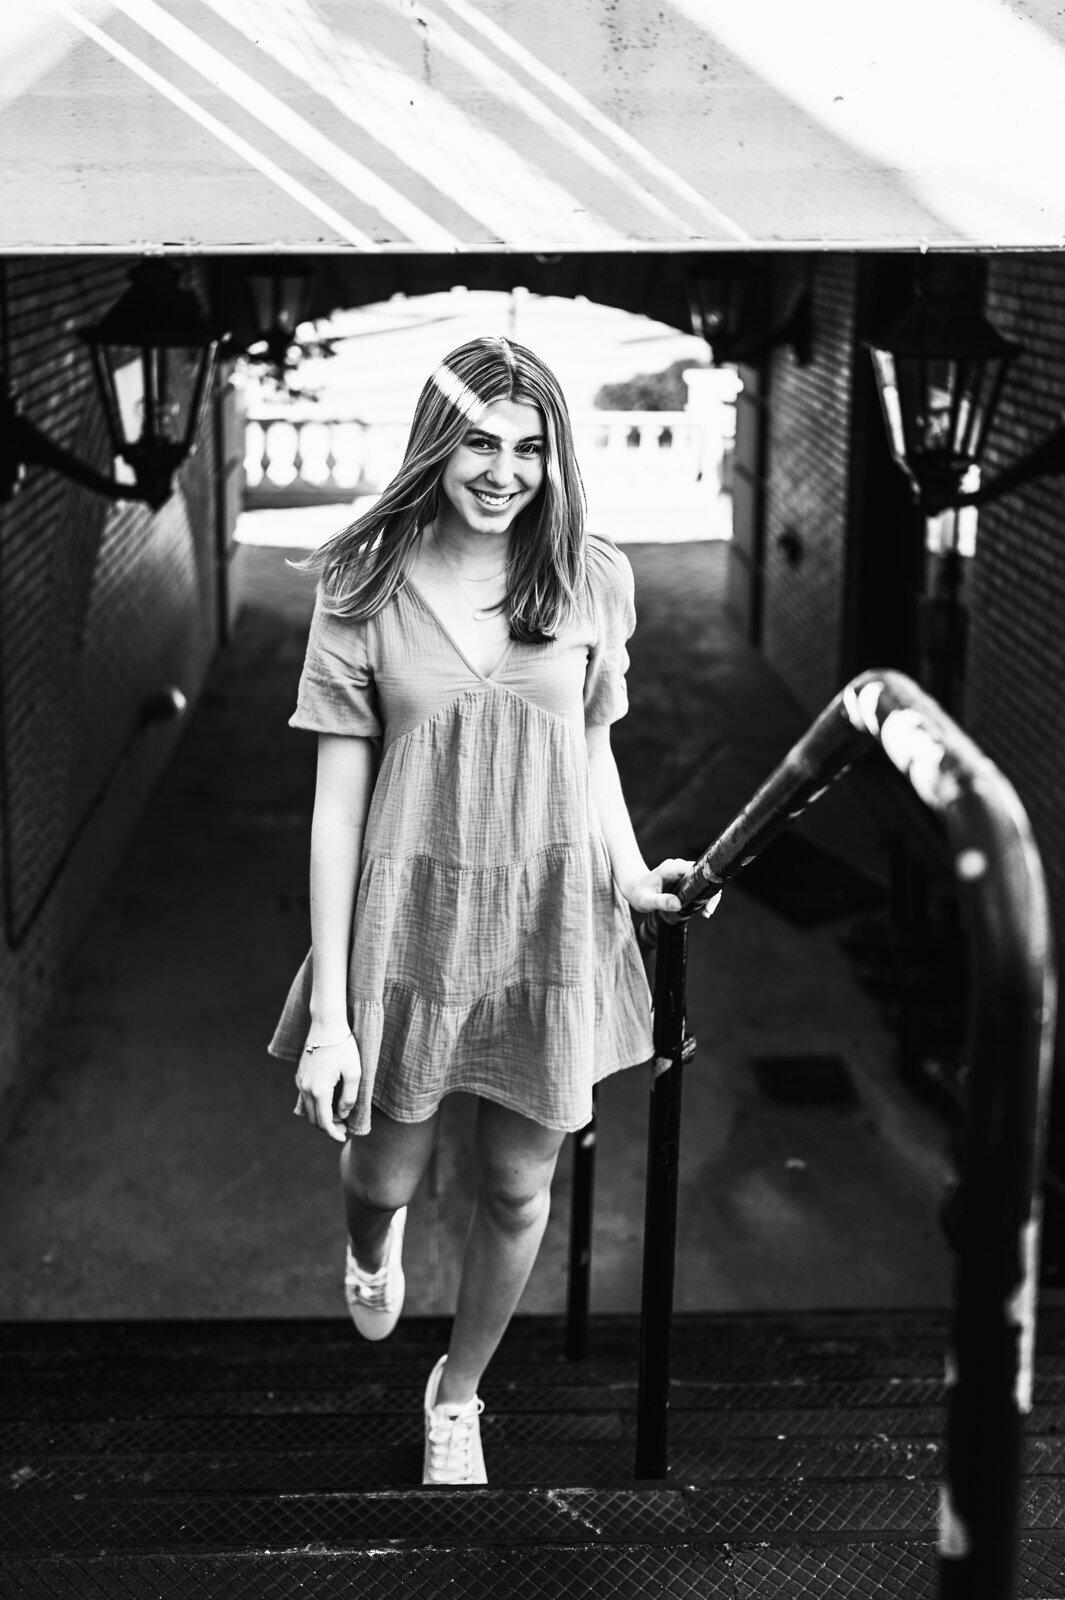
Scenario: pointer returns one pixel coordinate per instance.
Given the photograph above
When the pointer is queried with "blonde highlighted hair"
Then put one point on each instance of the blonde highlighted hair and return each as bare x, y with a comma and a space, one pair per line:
364, 565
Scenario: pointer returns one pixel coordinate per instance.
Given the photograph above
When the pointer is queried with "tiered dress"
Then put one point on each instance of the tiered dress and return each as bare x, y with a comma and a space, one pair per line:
492, 951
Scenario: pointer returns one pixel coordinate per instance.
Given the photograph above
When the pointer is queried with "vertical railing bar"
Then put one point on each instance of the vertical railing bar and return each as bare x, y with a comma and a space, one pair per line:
578, 1288
660, 1209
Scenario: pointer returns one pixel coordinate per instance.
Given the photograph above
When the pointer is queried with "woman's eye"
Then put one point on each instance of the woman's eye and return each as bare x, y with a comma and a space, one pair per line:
533, 448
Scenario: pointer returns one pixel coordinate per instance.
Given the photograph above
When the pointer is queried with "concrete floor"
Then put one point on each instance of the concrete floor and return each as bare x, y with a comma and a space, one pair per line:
158, 1170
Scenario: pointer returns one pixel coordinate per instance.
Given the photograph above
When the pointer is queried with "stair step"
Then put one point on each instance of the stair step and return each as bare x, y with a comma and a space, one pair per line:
222, 1470
321, 1433
796, 1339
624, 1572
777, 1513
160, 1460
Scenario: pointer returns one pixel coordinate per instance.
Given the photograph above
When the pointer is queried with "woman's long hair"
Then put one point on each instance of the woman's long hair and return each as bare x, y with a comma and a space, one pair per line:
364, 565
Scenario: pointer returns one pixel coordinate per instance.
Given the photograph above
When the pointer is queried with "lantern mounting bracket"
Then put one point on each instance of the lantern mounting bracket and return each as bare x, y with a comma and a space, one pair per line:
795, 331
22, 444
1044, 460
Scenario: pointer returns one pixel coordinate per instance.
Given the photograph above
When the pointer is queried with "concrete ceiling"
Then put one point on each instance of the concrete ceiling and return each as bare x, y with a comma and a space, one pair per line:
439, 126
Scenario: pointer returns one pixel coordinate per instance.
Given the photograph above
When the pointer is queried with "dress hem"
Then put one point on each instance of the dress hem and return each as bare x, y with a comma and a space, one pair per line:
480, 1092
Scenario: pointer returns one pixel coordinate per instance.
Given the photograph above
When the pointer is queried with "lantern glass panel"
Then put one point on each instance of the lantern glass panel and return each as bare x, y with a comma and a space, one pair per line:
155, 391
936, 405
280, 299
950, 402
887, 384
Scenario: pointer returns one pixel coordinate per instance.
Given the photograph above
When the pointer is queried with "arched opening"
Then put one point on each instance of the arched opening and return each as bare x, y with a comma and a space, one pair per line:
653, 422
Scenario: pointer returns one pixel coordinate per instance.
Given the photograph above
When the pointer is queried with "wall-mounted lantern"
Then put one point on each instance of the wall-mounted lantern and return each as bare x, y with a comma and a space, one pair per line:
940, 372
278, 296
729, 301
153, 356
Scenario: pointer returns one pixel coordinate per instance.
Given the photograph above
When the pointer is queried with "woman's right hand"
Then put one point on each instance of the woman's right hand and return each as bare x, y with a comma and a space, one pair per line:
326, 1067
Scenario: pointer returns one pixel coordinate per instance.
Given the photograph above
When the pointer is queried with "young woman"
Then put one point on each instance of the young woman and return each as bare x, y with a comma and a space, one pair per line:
472, 859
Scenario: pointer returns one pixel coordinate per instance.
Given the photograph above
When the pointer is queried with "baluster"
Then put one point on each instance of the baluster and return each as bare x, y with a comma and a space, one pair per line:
267, 454
330, 453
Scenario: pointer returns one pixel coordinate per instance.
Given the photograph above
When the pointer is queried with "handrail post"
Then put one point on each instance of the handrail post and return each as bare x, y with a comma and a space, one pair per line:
578, 1288
660, 1212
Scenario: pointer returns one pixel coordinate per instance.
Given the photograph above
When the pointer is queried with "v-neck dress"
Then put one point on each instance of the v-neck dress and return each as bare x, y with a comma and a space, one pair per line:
492, 951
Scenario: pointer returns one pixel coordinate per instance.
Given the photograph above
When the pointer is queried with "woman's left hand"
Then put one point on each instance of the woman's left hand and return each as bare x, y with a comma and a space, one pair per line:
649, 892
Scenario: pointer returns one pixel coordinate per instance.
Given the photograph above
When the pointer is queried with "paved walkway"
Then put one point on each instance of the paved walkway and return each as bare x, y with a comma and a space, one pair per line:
158, 1170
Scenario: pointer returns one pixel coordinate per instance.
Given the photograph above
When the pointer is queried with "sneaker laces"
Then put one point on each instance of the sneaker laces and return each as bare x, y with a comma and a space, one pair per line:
450, 1441
369, 1288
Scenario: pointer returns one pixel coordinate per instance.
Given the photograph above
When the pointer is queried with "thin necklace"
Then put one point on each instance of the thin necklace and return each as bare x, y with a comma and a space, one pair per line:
479, 613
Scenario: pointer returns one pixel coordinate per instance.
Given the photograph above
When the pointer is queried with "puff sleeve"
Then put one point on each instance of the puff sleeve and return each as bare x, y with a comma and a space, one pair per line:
611, 583
337, 693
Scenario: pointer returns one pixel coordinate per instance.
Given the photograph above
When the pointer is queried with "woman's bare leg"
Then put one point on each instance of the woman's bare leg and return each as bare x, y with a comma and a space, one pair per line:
379, 1172
515, 1164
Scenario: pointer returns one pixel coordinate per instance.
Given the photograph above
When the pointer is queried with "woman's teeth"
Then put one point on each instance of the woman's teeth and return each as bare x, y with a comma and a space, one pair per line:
496, 501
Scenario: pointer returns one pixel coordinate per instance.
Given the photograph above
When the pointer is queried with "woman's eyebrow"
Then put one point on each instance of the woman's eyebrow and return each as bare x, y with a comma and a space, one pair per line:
482, 433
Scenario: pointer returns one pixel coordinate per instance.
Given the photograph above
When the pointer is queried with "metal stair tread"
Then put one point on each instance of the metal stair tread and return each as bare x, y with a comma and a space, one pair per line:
776, 1512
743, 1571
297, 1338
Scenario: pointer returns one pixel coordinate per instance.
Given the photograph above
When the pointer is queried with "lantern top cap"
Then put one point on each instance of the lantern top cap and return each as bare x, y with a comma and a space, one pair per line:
942, 327
154, 310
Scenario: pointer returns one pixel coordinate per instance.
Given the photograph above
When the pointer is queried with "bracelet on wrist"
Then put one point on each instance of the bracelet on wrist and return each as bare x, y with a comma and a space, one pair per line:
326, 1044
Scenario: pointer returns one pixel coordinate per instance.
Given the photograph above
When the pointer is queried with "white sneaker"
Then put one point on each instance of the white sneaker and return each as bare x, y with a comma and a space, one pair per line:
453, 1451
375, 1299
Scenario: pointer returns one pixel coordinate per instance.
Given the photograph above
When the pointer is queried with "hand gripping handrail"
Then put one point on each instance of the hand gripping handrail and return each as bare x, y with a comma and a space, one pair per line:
1009, 1053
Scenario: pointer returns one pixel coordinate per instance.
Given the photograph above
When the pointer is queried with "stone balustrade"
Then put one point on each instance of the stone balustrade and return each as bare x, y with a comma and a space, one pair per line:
299, 459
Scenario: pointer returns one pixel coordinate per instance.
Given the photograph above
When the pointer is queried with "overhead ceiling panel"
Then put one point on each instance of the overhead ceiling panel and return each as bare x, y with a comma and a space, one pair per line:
447, 125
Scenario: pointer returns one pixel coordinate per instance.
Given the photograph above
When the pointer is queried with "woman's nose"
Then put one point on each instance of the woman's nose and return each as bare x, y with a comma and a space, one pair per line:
500, 467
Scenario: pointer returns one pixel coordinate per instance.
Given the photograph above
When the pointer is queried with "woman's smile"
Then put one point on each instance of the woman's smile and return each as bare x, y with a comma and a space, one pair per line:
492, 500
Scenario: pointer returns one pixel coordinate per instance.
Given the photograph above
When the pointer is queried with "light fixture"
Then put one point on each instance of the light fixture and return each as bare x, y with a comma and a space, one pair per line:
729, 303
940, 372
278, 295
153, 355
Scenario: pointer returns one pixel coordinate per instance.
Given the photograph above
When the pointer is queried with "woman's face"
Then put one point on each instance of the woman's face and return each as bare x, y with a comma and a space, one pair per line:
496, 470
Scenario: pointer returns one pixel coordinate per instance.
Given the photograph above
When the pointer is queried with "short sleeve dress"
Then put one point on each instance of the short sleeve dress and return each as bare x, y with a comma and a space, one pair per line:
492, 951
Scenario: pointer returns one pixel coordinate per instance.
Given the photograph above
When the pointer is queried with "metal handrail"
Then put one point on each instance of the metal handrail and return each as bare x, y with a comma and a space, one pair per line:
1009, 1056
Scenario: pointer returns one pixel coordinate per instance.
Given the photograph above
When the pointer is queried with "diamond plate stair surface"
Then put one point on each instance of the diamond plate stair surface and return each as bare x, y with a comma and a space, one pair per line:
279, 1458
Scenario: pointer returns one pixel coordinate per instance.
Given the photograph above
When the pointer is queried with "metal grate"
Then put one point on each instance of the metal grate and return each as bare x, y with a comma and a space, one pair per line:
526, 1574
903, 1570
1041, 1569
837, 1572
776, 1512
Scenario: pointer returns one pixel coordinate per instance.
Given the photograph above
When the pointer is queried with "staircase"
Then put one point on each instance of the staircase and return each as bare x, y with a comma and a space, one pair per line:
149, 1460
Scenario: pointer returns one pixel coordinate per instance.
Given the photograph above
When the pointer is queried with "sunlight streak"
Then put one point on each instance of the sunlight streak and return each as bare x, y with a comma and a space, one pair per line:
595, 118
507, 88
359, 180
484, 175
269, 169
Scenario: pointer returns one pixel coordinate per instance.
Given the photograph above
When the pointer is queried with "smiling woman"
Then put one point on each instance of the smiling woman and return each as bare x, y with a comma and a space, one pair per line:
472, 860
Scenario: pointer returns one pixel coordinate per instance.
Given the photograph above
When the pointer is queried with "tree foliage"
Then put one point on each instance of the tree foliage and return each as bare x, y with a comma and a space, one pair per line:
647, 391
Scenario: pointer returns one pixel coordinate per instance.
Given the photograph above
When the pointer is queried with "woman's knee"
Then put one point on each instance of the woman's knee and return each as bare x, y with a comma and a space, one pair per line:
516, 1163
380, 1191
515, 1212
516, 1198
383, 1168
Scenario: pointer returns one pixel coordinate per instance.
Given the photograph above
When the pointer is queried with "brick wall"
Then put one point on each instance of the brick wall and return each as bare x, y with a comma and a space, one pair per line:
101, 604
1014, 705
807, 491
